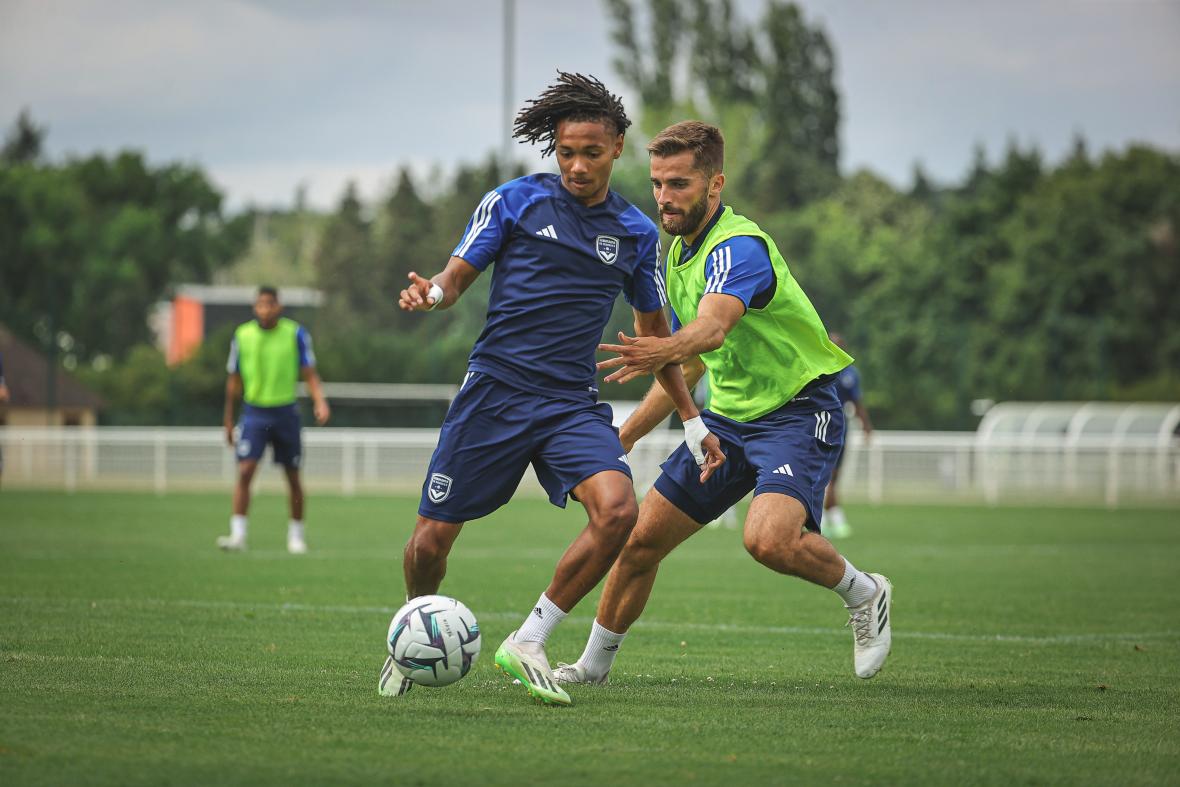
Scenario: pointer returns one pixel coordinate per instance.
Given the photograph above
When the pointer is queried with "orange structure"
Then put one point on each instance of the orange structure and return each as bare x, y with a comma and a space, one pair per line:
188, 328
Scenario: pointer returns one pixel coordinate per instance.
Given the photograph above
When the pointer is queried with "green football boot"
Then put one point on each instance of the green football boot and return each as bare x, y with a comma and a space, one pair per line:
527, 663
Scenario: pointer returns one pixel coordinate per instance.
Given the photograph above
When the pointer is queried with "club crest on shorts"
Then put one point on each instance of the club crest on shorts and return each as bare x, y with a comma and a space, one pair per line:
439, 487
607, 247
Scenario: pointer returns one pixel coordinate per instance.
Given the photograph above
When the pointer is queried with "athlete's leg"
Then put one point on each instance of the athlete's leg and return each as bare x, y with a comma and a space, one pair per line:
246, 469
425, 559
775, 535
295, 492
425, 565
236, 540
609, 500
835, 523
777, 538
831, 500
296, 544
661, 528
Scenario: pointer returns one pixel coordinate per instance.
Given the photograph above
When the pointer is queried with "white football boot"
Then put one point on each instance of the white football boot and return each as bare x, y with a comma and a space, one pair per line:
872, 630
296, 545
231, 543
576, 673
392, 683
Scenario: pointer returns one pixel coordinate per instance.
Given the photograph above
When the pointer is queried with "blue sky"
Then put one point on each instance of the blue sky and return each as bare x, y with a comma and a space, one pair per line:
268, 94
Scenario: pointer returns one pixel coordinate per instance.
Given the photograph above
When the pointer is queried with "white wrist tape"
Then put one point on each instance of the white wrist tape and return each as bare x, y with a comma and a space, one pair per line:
435, 295
694, 432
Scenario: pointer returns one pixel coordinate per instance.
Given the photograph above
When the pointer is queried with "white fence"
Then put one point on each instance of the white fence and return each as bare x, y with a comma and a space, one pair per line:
893, 467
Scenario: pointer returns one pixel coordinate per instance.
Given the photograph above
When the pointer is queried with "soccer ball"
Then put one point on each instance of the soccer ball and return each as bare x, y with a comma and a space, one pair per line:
434, 640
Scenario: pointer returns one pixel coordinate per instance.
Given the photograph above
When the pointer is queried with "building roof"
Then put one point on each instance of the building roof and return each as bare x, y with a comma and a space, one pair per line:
246, 295
26, 374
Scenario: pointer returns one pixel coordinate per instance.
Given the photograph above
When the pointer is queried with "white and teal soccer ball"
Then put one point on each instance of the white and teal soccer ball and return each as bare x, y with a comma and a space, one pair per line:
434, 640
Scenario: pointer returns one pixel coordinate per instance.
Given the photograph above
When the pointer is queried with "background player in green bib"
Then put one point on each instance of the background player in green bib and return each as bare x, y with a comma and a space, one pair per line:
771, 371
267, 358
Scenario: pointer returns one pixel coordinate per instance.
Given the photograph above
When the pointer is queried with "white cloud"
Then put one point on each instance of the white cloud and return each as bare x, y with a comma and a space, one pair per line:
268, 93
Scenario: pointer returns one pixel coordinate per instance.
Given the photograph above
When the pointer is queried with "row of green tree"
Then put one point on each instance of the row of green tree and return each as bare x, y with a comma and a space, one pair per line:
1027, 280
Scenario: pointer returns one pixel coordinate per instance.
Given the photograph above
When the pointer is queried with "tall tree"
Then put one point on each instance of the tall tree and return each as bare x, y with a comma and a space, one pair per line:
24, 143
87, 247
770, 86
345, 264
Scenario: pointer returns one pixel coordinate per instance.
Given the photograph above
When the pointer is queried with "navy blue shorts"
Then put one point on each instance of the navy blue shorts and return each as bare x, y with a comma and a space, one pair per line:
277, 426
791, 451
494, 430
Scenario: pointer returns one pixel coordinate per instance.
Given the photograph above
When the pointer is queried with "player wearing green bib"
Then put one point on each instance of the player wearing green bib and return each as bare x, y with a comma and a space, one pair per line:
267, 358
740, 316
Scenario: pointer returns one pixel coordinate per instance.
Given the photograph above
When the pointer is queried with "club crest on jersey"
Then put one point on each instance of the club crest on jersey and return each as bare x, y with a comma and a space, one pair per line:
439, 488
607, 247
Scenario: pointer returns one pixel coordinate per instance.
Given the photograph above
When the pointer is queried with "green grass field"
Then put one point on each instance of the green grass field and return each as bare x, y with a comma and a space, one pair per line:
1031, 646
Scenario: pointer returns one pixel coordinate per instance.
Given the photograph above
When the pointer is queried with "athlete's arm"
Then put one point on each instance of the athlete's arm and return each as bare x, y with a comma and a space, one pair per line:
862, 414
716, 316
453, 281
657, 405
320, 404
705, 447
233, 391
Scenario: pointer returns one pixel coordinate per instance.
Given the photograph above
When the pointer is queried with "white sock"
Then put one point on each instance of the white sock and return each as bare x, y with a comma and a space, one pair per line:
237, 526
541, 621
295, 528
856, 587
835, 515
600, 652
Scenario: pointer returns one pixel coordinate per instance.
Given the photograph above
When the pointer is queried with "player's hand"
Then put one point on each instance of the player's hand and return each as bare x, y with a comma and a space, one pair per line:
416, 297
704, 446
229, 433
322, 412
714, 456
636, 357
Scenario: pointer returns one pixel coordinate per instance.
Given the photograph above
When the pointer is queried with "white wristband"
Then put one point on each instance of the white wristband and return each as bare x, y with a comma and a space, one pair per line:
435, 294
694, 432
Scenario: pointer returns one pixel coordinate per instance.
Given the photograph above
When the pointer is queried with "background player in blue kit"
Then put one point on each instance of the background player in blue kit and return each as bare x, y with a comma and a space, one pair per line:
267, 357
848, 389
563, 248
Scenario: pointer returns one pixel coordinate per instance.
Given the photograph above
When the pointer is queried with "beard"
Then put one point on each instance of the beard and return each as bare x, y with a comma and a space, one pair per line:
690, 220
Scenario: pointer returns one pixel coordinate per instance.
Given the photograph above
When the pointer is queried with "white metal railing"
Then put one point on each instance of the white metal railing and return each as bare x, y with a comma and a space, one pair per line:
894, 466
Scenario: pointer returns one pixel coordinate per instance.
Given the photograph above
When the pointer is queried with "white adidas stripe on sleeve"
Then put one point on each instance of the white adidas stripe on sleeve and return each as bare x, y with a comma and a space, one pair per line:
479, 221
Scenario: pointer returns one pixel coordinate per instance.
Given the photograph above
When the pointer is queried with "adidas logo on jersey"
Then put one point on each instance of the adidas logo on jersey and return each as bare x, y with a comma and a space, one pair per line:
784, 470
547, 232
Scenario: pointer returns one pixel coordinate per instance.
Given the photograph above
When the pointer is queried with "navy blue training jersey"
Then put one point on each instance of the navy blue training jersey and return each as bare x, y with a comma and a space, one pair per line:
848, 385
559, 266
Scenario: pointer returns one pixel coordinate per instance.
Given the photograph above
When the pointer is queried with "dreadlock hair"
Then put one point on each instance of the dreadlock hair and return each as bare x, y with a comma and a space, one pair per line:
573, 97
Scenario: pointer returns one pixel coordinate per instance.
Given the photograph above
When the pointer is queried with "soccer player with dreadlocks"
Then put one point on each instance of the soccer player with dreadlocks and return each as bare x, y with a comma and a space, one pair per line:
561, 247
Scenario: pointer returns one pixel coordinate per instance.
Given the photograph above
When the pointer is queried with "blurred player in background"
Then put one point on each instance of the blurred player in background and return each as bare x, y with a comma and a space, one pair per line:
740, 314
563, 247
267, 358
848, 389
